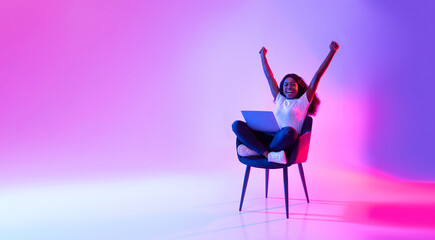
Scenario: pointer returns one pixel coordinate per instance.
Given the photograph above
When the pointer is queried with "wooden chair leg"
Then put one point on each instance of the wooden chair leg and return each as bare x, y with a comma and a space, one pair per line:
245, 183
285, 174
267, 181
301, 172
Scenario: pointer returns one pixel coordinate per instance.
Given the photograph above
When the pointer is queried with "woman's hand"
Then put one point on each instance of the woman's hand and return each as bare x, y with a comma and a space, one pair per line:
263, 51
334, 46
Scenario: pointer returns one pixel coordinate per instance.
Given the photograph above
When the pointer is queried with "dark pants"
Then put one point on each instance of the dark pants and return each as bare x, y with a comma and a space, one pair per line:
261, 141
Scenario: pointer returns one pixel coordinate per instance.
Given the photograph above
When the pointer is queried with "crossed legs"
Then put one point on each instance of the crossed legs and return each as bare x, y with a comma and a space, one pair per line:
263, 143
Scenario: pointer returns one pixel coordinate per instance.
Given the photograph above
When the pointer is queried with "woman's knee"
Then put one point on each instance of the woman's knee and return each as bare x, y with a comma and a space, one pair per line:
290, 132
237, 125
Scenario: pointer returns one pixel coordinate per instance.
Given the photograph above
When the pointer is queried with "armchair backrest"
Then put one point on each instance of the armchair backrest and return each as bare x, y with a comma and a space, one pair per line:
300, 150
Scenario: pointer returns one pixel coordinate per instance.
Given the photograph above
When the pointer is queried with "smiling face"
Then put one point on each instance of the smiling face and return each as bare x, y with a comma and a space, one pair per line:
290, 88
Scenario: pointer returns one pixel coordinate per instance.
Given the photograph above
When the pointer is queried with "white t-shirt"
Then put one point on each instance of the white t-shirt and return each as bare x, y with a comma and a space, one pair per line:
291, 112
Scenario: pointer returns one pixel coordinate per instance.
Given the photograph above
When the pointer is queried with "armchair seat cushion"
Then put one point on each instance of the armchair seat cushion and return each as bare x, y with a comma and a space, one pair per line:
261, 162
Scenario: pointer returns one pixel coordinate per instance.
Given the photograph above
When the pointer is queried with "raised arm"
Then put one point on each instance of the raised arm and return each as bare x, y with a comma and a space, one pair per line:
269, 75
333, 47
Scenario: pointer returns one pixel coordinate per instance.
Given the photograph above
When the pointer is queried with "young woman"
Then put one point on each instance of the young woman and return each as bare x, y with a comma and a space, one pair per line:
294, 100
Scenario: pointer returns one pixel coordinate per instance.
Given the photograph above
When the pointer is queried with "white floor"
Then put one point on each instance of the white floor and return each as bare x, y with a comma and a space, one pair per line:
344, 205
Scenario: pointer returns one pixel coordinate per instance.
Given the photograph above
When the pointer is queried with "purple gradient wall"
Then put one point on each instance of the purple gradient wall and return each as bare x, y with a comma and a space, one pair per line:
93, 88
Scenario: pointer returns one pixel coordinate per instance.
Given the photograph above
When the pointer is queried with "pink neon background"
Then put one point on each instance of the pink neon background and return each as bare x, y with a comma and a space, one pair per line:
137, 87
149, 89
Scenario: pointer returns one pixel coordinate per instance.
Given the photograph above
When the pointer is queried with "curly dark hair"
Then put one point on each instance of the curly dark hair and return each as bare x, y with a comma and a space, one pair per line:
302, 88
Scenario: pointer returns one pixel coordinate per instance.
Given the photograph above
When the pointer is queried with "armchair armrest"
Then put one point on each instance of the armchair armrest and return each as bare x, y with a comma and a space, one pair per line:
300, 151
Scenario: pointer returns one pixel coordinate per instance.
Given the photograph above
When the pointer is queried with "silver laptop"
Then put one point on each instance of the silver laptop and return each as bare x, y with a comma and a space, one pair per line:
263, 121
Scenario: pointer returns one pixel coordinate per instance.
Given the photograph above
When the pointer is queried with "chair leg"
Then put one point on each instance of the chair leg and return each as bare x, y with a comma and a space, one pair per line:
245, 183
267, 181
285, 174
301, 172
